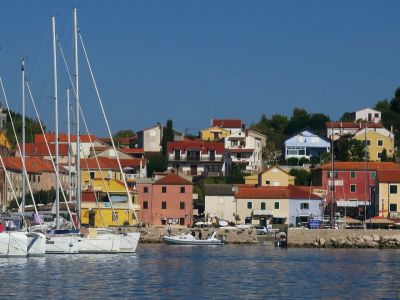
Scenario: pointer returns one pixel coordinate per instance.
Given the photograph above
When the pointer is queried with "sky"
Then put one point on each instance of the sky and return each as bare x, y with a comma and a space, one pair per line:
191, 61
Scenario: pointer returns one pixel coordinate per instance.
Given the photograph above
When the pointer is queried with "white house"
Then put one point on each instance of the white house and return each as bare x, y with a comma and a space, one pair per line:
244, 150
220, 201
150, 138
306, 144
234, 125
368, 114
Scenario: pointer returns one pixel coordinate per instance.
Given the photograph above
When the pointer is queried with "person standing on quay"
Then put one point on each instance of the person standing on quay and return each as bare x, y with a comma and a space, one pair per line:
169, 229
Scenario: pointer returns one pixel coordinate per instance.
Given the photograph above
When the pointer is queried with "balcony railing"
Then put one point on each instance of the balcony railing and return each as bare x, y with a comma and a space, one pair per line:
183, 157
132, 176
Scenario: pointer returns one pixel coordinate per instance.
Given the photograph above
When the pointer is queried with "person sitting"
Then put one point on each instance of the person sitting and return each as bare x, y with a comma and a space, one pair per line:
200, 235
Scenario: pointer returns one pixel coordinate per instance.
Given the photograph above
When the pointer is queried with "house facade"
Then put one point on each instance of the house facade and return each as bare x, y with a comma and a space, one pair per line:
335, 130
167, 200
306, 144
276, 205
387, 200
150, 138
377, 141
220, 201
367, 114
107, 203
243, 151
352, 185
196, 157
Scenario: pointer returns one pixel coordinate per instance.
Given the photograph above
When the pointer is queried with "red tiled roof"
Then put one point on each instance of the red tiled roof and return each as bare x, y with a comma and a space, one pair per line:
109, 163
132, 150
33, 164
359, 166
63, 137
274, 192
389, 176
353, 125
238, 150
36, 149
227, 123
172, 179
204, 147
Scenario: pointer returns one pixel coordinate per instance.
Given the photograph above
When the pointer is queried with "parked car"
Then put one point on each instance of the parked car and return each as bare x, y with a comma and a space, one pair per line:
261, 230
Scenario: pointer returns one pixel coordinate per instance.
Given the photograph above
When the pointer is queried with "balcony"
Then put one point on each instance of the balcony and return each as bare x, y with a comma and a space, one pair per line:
262, 212
132, 176
205, 158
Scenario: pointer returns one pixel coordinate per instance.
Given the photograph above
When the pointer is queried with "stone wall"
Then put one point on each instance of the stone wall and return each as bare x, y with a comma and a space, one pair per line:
330, 238
154, 234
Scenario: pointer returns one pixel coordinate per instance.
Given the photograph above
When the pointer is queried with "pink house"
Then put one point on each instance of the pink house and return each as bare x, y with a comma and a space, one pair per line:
166, 200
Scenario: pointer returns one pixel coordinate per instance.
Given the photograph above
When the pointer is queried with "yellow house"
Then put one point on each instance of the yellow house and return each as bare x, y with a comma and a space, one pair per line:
388, 200
214, 134
272, 176
377, 140
98, 211
5, 144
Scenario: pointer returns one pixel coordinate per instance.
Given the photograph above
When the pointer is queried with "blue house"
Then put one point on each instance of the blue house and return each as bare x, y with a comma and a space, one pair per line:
306, 144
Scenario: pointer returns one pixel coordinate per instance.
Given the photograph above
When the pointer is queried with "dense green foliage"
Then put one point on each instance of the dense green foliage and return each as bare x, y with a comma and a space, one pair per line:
168, 136
302, 176
32, 127
279, 127
348, 149
124, 133
156, 163
41, 197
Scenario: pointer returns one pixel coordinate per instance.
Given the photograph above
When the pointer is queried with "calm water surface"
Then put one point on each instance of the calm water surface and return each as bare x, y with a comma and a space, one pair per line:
222, 272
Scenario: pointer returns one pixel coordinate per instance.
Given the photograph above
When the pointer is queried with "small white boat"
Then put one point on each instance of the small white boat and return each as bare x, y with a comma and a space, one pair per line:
13, 244
188, 239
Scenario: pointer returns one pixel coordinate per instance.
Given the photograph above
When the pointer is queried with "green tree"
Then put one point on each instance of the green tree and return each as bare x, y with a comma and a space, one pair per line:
124, 133
346, 117
32, 127
299, 121
349, 149
168, 136
384, 156
302, 176
317, 123
156, 163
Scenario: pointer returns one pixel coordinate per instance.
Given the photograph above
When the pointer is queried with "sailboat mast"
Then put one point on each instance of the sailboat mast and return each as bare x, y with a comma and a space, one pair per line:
53, 22
23, 137
69, 150
78, 144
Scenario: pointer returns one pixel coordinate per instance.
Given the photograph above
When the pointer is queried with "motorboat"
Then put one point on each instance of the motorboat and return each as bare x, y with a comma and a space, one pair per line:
188, 239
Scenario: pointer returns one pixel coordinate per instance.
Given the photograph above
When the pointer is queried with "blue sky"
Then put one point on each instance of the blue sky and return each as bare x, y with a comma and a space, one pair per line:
196, 60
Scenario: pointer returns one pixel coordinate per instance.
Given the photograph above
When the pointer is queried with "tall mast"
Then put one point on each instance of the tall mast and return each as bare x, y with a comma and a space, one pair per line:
69, 150
23, 136
53, 22
78, 144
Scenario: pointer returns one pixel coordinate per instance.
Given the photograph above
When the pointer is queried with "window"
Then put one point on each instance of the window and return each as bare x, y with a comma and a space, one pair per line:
182, 205
38, 179
182, 189
352, 188
164, 189
263, 206
393, 189
373, 174
368, 142
304, 206
393, 207
376, 115
330, 174
181, 221
92, 174
249, 205
164, 205
276, 205
380, 143
145, 189
114, 216
379, 154
352, 174
145, 204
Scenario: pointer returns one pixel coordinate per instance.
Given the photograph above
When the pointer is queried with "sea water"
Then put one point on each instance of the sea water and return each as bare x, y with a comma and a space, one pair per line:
205, 272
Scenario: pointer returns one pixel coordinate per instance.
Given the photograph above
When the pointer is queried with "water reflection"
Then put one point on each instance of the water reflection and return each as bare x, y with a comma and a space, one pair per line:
161, 271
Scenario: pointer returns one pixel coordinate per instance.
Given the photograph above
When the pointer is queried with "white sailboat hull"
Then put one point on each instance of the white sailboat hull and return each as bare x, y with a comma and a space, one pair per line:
102, 243
62, 244
13, 244
36, 244
129, 242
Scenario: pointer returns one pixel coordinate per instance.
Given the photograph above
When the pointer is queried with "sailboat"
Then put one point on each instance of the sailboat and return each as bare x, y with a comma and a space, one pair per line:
93, 240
